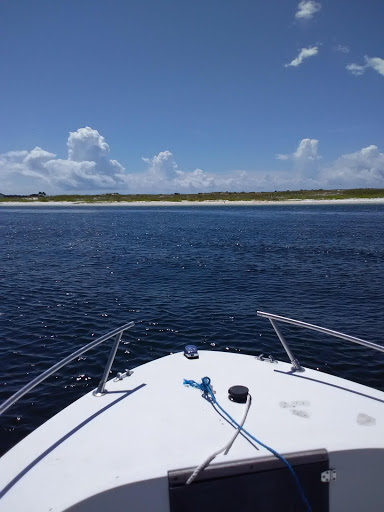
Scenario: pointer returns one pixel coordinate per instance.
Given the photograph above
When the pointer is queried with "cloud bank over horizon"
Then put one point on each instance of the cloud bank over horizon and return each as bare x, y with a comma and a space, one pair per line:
89, 169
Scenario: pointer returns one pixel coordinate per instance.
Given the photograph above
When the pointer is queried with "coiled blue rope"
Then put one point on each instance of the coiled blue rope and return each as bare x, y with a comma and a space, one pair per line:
205, 387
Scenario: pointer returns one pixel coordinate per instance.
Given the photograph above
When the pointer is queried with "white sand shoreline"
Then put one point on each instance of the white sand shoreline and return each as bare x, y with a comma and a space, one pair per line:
378, 200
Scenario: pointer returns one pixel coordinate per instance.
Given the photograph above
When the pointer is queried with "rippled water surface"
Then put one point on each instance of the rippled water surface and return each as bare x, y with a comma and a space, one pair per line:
183, 274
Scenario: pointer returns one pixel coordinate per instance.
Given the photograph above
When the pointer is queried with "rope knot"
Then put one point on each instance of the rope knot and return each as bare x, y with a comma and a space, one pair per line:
204, 386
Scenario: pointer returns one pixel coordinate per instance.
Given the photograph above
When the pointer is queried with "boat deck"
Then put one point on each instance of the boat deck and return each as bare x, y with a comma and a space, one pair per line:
107, 451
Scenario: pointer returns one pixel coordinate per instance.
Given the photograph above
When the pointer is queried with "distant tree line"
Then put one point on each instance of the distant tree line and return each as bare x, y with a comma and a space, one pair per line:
39, 194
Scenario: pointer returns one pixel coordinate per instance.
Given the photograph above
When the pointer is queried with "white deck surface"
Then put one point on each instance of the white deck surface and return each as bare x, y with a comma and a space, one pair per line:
97, 444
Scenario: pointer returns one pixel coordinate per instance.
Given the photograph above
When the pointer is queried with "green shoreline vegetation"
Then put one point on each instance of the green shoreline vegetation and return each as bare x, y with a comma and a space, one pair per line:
358, 193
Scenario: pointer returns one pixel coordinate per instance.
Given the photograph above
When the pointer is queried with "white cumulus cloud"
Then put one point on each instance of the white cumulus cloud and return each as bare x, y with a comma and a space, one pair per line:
304, 53
87, 144
356, 69
307, 9
37, 158
86, 168
364, 168
306, 150
162, 165
305, 161
375, 63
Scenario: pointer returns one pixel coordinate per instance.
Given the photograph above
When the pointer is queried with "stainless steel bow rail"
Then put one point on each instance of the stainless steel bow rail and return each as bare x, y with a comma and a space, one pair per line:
295, 363
100, 388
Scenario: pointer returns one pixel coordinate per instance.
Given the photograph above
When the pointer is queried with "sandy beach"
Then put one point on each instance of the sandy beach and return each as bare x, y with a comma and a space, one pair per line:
379, 200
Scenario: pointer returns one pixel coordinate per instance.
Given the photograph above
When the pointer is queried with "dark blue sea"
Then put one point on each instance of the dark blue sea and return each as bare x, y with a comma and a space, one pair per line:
184, 275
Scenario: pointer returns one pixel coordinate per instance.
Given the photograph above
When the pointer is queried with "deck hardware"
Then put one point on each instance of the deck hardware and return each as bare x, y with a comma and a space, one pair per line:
328, 476
100, 391
122, 375
270, 358
40, 378
238, 394
190, 352
295, 363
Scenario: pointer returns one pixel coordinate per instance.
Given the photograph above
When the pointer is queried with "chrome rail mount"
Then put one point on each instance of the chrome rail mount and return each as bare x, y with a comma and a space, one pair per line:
100, 388
295, 363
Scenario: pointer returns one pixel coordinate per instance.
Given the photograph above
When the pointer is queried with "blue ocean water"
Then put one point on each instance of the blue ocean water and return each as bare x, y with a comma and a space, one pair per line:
184, 275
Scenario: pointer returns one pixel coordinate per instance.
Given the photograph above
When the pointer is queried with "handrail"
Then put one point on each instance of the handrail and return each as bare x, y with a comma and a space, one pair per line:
101, 387
296, 365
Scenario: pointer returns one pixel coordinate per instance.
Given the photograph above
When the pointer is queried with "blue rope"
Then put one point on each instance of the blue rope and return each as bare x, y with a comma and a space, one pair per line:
205, 387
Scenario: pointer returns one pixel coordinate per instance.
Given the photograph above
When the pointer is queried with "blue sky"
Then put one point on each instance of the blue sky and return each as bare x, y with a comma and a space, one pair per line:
171, 95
